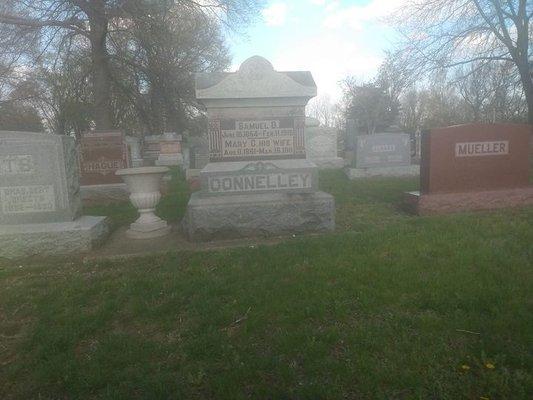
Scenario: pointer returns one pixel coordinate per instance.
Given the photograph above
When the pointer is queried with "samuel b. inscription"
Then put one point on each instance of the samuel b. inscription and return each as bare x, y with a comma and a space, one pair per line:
248, 139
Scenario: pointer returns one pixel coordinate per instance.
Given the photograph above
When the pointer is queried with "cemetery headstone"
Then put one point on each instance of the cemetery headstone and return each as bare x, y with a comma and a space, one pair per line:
321, 145
134, 147
40, 206
151, 148
383, 154
170, 150
258, 180
473, 167
101, 155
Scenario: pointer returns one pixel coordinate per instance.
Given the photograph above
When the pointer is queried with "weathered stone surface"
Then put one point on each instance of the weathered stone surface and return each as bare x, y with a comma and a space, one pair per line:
321, 145
259, 176
134, 147
53, 238
101, 155
255, 113
256, 79
170, 153
258, 215
39, 178
358, 173
446, 203
383, 150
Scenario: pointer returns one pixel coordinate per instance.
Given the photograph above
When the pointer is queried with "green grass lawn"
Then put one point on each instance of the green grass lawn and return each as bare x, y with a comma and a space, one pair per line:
390, 307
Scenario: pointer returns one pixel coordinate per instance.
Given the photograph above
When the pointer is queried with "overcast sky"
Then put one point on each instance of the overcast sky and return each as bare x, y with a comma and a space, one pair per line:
331, 38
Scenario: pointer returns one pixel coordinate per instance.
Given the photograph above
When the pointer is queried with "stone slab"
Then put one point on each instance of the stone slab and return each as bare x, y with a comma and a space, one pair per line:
101, 155
359, 173
320, 142
383, 150
54, 238
267, 214
39, 178
299, 176
475, 157
446, 203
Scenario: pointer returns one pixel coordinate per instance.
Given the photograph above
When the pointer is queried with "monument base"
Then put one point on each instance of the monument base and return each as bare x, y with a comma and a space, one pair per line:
446, 203
54, 238
405, 171
329, 163
265, 214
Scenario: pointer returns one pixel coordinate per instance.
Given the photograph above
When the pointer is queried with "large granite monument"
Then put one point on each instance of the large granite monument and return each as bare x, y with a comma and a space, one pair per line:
473, 167
40, 206
258, 180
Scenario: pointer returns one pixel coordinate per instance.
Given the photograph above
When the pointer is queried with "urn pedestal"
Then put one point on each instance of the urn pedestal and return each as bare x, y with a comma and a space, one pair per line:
144, 186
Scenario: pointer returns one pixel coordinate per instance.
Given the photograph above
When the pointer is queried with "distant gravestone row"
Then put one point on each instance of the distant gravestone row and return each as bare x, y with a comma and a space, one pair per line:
256, 169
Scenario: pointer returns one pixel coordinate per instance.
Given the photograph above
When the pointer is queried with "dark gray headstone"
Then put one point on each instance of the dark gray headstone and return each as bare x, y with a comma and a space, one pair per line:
383, 150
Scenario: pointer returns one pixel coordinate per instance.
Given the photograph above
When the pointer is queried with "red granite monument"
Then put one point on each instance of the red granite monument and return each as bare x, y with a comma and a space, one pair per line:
473, 167
101, 155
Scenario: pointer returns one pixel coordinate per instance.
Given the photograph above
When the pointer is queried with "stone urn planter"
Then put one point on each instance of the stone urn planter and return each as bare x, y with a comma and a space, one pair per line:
143, 184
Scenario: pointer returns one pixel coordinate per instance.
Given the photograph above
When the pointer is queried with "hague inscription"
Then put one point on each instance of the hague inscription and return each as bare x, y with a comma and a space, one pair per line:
101, 155
27, 199
16, 165
102, 166
476, 149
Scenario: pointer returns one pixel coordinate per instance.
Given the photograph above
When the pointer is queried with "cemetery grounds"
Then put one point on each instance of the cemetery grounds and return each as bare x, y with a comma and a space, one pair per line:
390, 306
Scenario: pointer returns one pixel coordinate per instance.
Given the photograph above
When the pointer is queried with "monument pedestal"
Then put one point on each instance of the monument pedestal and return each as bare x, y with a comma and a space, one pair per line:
258, 198
53, 238
446, 203
263, 214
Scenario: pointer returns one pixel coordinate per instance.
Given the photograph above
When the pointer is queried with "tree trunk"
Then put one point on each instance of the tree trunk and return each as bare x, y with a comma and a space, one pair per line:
103, 115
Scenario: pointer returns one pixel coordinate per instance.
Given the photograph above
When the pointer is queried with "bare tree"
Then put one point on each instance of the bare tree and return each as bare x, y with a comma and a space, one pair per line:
451, 33
68, 23
322, 109
370, 104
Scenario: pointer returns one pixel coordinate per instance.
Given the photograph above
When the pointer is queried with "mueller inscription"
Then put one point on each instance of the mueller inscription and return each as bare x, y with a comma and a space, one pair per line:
477, 149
